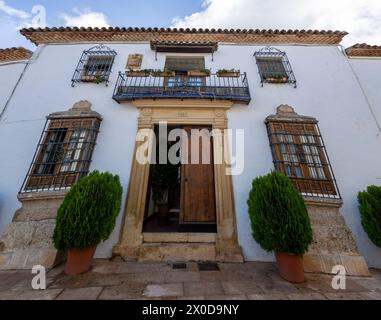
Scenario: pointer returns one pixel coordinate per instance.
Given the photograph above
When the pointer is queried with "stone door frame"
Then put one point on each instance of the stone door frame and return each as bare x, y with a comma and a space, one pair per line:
189, 112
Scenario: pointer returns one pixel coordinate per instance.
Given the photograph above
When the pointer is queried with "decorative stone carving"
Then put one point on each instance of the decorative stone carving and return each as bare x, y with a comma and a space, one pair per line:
285, 112
81, 108
219, 113
146, 111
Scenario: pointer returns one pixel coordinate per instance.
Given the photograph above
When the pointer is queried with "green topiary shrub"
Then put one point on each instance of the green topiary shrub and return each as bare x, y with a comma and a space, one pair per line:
88, 213
370, 212
279, 217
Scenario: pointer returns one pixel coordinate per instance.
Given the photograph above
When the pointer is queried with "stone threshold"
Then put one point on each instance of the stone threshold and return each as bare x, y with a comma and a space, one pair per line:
180, 237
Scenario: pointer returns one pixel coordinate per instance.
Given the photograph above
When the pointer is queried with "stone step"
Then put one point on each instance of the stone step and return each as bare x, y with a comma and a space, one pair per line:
183, 237
173, 252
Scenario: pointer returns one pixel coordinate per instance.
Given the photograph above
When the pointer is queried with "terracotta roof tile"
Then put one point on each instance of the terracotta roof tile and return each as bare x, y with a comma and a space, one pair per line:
363, 50
14, 54
75, 34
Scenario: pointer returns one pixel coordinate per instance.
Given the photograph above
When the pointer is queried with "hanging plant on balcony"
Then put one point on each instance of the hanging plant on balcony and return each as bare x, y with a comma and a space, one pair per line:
160, 73
232, 73
139, 73
276, 78
199, 73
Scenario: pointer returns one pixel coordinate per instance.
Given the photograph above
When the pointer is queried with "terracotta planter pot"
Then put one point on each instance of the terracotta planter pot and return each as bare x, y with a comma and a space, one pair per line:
79, 261
163, 210
277, 80
165, 74
228, 75
195, 73
87, 78
137, 74
290, 266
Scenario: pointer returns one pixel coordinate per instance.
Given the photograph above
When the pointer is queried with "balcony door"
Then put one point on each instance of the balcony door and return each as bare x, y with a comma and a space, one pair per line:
181, 65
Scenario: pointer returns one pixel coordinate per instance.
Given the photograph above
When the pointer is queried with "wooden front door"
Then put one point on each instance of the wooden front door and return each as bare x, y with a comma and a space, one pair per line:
197, 181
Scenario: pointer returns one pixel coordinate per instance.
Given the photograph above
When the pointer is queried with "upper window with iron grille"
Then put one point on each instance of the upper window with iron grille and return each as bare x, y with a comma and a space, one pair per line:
94, 65
298, 151
274, 66
64, 151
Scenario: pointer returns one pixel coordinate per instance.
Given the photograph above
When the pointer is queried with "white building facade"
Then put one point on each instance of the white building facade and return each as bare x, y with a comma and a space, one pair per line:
314, 84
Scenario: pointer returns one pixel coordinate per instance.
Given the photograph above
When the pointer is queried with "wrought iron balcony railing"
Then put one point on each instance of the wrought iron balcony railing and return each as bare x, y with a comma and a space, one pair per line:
234, 88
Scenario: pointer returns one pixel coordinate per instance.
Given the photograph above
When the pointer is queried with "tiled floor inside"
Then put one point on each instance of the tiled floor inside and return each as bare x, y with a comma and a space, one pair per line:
118, 279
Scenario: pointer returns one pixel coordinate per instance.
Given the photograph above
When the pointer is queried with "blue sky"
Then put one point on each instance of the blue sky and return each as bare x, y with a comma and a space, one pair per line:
361, 18
120, 12
116, 13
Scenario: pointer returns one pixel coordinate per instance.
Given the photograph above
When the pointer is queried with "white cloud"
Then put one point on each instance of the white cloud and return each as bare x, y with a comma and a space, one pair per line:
361, 18
13, 19
85, 18
13, 12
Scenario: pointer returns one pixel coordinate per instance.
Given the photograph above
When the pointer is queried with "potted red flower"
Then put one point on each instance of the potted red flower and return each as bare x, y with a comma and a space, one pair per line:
86, 217
280, 223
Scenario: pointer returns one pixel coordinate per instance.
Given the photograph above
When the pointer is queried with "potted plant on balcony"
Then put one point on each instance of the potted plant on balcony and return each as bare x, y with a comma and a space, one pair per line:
276, 78
86, 217
166, 73
232, 73
280, 222
138, 73
199, 73
370, 212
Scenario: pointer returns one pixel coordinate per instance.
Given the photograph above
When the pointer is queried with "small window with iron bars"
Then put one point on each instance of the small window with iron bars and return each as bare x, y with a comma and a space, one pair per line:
274, 66
298, 151
94, 65
63, 154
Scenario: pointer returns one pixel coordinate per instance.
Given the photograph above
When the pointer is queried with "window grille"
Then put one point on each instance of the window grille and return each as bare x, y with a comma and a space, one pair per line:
63, 154
94, 65
298, 151
274, 66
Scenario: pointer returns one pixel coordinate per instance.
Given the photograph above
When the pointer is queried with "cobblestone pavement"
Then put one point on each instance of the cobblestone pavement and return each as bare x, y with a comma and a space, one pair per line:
130, 280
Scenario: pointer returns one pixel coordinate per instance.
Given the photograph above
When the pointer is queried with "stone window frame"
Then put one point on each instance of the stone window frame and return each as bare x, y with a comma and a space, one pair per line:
299, 152
64, 151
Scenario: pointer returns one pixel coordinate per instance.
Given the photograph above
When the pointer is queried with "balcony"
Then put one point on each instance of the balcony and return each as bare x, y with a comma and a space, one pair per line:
234, 88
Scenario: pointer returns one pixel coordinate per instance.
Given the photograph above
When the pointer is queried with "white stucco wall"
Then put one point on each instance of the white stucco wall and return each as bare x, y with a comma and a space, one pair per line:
9, 74
327, 90
368, 71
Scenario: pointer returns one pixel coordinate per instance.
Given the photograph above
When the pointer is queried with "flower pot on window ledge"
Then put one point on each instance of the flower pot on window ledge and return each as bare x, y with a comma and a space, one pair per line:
93, 78
87, 78
276, 79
